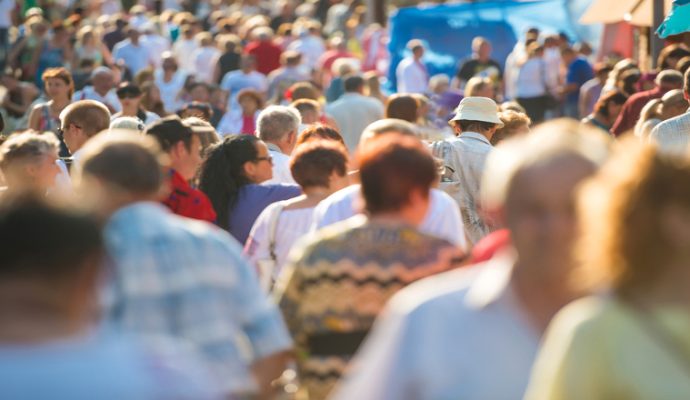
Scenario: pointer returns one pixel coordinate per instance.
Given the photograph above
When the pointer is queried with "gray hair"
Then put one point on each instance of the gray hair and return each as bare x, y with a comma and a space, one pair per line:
275, 122
128, 123
27, 146
547, 143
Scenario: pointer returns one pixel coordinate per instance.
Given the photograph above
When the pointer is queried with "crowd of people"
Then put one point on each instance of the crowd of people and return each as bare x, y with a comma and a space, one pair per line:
227, 199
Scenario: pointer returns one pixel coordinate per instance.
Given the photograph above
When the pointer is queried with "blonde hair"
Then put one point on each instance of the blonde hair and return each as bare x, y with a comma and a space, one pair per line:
476, 84
624, 245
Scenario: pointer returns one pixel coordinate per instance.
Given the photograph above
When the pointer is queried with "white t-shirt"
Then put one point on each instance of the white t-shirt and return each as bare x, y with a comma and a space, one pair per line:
412, 78
183, 49
281, 169
442, 219
292, 225
170, 90
205, 60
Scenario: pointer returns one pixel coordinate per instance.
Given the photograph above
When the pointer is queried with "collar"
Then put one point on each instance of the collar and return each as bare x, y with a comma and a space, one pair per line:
177, 181
476, 136
492, 283
273, 147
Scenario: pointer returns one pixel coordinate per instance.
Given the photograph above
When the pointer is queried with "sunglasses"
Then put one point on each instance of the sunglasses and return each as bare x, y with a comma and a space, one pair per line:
268, 158
61, 132
128, 95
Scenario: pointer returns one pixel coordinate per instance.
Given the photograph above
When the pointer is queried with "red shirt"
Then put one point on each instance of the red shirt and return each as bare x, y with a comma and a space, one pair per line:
490, 245
632, 109
248, 125
188, 202
267, 56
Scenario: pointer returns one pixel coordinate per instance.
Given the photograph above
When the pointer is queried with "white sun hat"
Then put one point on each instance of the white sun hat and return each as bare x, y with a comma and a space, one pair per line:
478, 109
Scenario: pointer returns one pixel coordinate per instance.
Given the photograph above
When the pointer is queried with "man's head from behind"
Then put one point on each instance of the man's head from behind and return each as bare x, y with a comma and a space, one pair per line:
529, 186
669, 79
181, 144
279, 125
121, 168
82, 120
51, 261
28, 161
397, 172
354, 84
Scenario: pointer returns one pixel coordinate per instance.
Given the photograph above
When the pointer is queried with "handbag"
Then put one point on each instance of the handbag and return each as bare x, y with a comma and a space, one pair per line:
267, 266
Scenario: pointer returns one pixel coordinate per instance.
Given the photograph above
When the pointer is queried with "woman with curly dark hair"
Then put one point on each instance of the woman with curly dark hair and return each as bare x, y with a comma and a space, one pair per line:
230, 177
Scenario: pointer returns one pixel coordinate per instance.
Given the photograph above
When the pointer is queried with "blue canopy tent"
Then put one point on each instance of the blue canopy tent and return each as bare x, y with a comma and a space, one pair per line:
448, 30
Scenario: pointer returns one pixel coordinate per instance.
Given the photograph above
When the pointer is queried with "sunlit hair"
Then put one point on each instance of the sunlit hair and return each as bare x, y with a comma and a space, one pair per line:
402, 106
313, 163
24, 149
549, 141
391, 168
625, 245
319, 132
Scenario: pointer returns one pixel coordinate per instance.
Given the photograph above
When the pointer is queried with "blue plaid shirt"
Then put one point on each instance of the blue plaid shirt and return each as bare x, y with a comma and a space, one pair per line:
187, 279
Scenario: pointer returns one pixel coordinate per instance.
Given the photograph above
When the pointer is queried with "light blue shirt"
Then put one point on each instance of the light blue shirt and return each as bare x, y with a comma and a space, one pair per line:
101, 366
457, 335
135, 58
181, 278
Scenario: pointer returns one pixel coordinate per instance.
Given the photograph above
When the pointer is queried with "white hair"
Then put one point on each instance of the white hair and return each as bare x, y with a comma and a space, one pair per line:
275, 122
127, 123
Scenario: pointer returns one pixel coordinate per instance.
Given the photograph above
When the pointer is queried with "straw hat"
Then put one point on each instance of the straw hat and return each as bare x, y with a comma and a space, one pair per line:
478, 109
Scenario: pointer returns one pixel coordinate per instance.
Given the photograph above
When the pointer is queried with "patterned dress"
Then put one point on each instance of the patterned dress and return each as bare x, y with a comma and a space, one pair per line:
336, 285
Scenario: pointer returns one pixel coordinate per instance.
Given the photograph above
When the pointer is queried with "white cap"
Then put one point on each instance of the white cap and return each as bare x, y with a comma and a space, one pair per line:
478, 109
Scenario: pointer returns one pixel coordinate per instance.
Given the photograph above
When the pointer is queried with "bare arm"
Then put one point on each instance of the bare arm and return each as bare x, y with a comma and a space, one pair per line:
34, 118
267, 370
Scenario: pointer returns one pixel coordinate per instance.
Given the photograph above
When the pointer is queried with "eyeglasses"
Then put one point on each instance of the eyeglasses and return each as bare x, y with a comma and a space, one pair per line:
61, 131
268, 158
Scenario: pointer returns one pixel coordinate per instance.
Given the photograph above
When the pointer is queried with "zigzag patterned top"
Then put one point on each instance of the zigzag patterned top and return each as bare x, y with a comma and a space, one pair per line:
337, 284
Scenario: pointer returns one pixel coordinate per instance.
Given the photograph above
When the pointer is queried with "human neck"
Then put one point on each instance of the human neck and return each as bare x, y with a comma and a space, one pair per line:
397, 217
59, 104
540, 298
29, 316
129, 111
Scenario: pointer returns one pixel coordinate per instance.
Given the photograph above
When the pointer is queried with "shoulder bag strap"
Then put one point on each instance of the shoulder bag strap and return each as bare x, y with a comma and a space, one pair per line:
273, 228
657, 332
